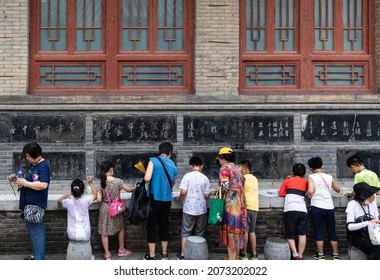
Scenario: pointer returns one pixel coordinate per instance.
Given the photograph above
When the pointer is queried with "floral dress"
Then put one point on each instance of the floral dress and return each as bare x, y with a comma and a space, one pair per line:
108, 225
235, 214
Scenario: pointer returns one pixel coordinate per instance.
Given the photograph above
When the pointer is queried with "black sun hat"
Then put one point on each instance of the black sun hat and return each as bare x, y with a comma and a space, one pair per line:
363, 191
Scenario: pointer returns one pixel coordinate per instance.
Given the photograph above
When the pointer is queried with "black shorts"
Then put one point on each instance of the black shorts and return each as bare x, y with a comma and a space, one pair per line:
295, 224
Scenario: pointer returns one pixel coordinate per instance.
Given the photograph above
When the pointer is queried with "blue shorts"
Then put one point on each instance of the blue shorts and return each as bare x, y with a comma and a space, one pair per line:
321, 217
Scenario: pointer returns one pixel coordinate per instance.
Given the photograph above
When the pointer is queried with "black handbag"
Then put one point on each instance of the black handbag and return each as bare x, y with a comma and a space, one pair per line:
139, 208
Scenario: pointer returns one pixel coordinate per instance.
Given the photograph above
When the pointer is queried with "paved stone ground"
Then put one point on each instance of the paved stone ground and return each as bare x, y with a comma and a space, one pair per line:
139, 256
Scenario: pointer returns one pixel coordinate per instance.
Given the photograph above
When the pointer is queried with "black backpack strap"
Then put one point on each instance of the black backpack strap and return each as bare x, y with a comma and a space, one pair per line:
166, 172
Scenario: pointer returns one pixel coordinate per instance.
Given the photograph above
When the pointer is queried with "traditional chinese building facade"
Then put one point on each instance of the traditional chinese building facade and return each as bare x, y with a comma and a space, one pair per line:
279, 81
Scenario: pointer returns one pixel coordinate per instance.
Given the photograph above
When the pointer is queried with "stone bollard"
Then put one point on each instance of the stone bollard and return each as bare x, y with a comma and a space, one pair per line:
276, 249
196, 248
79, 250
355, 253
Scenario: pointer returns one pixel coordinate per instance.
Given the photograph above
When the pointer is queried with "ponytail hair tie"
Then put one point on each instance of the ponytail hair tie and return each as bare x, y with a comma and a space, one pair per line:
76, 187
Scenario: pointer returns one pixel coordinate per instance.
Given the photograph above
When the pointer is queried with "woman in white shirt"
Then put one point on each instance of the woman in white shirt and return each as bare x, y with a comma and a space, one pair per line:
361, 211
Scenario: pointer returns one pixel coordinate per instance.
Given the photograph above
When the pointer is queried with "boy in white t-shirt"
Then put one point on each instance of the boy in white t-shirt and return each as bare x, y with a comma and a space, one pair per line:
195, 190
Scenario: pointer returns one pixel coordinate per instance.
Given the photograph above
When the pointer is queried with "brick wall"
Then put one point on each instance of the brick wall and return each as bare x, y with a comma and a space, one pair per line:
270, 223
14, 48
217, 48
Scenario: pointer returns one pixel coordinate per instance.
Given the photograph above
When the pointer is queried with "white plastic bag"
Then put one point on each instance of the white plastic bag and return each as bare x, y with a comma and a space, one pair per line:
374, 233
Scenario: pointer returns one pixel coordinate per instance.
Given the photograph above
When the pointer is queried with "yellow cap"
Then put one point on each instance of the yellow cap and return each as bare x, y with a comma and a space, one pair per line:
225, 151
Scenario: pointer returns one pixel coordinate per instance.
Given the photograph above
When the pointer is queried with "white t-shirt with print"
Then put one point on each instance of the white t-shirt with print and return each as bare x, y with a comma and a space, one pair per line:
197, 185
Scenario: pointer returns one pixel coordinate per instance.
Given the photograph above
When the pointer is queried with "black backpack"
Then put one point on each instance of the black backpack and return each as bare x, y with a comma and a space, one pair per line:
139, 208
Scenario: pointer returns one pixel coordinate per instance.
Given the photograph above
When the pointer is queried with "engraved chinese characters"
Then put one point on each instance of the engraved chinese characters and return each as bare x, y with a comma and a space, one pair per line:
340, 127
42, 128
248, 129
132, 128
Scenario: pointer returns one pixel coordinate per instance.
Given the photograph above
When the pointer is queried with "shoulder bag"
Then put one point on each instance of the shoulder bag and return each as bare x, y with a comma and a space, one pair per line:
33, 213
117, 206
216, 213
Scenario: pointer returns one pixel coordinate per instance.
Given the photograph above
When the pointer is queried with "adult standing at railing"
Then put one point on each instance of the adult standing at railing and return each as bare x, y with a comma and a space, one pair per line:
160, 175
33, 198
234, 221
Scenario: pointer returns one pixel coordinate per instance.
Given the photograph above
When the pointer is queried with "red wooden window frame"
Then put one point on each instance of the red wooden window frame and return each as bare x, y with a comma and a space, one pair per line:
111, 58
304, 56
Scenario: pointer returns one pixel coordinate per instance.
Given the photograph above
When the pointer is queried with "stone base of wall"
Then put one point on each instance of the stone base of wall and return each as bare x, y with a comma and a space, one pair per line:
14, 238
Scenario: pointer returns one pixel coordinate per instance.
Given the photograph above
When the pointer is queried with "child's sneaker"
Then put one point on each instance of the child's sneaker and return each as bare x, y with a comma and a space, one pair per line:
255, 256
335, 256
180, 257
124, 253
318, 256
243, 256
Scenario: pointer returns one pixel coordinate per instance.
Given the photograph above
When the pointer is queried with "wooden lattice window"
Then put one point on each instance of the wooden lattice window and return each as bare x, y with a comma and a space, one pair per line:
111, 46
307, 46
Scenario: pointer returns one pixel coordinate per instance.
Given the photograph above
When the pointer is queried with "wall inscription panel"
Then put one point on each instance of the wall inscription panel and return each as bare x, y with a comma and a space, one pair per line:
265, 164
130, 128
45, 129
63, 165
370, 159
124, 163
247, 129
345, 128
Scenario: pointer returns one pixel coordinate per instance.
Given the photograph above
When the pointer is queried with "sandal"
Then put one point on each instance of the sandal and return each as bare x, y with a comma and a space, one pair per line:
107, 257
124, 252
164, 257
147, 257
